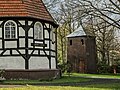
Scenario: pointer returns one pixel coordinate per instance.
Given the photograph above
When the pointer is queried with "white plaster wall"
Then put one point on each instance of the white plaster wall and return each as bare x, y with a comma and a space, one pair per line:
47, 52
21, 31
22, 51
42, 52
30, 51
52, 46
47, 25
53, 39
1, 51
14, 52
0, 32
47, 42
35, 52
30, 32
38, 46
53, 63
53, 53
29, 43
11, 44
1, 22
39, 63
22, 22
22, 42
0, 43
46, 34
30, 22
12, 63
7, 52
34, 63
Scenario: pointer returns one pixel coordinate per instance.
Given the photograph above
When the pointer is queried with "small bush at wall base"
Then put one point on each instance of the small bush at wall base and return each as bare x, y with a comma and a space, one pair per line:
1, 75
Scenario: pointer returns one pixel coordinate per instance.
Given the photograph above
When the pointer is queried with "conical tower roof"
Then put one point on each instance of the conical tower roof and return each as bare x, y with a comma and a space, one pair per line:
24, 8
81, 32
78, 32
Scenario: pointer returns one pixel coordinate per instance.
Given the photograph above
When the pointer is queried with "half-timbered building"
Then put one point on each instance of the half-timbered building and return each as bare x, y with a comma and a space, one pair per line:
27, 39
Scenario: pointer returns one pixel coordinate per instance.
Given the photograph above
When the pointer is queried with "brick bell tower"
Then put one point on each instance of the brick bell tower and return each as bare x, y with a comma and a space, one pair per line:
81, 52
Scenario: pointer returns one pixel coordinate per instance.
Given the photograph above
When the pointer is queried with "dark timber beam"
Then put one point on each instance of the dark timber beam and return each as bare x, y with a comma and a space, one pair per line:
56, 47
26, 45
49, 48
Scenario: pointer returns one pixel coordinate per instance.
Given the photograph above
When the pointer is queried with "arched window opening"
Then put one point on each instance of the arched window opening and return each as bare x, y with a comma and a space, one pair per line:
10, 30
38, 28
82, 41
70, 42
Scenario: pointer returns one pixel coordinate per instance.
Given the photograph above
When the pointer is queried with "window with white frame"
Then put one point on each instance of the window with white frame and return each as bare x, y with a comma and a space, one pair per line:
38, 29
10, 30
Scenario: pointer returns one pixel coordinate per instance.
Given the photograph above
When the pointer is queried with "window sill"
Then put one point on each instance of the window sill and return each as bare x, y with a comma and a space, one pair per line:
11, 39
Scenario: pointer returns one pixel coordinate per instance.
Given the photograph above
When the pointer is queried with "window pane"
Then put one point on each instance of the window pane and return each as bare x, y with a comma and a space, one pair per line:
12, 24
38, 31
7, 29
13, 36
7, 32
13, 28
7, 35
40, 36
7, 24
10, 30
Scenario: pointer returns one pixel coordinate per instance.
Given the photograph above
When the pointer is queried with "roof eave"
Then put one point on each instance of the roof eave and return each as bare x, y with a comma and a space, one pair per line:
29, 17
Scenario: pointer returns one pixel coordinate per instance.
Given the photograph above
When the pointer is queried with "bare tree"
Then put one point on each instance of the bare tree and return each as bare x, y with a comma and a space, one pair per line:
108, 10
99, 17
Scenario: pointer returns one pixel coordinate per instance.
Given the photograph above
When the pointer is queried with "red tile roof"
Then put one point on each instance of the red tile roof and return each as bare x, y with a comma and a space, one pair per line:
24, 8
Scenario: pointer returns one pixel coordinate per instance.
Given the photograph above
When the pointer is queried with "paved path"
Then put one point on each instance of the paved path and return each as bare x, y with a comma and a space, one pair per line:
92, 81
11, 86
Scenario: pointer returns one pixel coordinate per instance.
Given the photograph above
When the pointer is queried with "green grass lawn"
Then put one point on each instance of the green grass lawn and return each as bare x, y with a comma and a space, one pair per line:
64, 79
112, 86
73, 78
115, 86
112, 76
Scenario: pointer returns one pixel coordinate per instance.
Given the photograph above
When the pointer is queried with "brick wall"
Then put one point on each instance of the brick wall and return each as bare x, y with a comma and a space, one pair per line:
31, 74
81, 54
76, 53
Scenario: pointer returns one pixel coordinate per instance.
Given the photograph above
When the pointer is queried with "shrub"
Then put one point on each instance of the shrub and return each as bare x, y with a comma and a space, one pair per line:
104, 69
